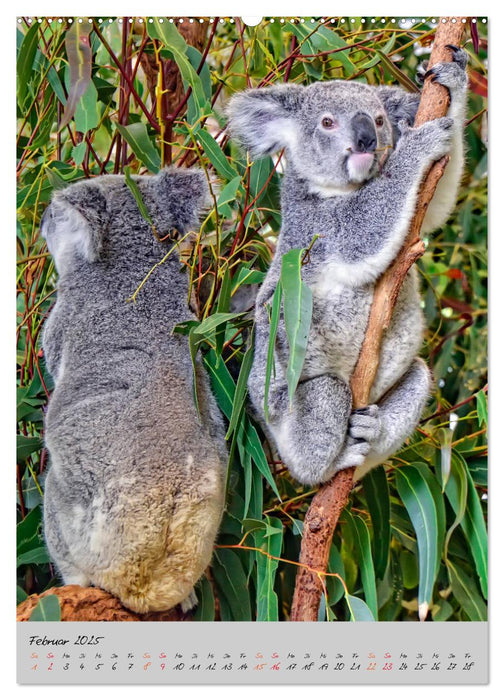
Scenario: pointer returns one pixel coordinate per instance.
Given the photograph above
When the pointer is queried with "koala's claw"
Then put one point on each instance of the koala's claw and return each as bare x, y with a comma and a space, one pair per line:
190, 602
460, 56
421, 71
364, 424
451, 74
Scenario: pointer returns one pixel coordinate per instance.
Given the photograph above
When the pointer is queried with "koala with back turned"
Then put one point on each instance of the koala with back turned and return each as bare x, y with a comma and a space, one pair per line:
135, 489
354, 167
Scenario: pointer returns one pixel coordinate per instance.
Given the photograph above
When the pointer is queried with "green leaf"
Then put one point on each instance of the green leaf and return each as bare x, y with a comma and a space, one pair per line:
270, 361
205, 612
359, 611
401, 77
47, 610
466, 592
362, 549
378, 499
216, 156
230, 577
474, 528
176, 46
38, 555
86, 112
270, 541
335, 565
419, 501
456, 492
78, 152
135, 191
28, 531
241, 390
25, 58
26, 446
247, 276
20, 595
137, 137
228, 194
445, 436
79, 61
482, 408
298, 304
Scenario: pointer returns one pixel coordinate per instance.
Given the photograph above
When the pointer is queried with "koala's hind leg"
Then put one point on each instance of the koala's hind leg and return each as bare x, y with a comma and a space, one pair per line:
386, 426
58, 548
310, 435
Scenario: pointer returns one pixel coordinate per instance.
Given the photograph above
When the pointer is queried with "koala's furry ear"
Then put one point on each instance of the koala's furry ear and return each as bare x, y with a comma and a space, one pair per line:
399, 105
263, 120
175, 198
74, 223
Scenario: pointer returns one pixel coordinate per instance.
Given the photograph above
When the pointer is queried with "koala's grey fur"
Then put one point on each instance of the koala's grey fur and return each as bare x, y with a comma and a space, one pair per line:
340, 184
134, 493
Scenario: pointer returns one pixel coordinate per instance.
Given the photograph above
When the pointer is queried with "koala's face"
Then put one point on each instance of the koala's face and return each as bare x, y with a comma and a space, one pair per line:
336, 133
342, 135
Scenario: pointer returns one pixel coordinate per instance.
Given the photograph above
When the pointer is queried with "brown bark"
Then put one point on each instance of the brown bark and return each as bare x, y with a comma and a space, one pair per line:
78, 604
326, 506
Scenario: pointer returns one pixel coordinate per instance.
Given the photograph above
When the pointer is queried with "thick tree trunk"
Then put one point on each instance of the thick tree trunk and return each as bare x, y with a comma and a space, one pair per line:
327, 504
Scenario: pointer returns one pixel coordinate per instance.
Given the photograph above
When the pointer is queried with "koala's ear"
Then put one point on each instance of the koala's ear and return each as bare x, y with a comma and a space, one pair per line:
175, 198
399, 105
74, 223
264, 120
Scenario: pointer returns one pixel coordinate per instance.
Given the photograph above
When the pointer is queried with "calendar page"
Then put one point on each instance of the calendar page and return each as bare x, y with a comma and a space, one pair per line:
252, 350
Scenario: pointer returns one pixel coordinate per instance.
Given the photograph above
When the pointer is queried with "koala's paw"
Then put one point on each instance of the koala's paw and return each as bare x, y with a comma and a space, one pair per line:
353, 455
452, 74
432, 140
421, 70
365, 424
190, 602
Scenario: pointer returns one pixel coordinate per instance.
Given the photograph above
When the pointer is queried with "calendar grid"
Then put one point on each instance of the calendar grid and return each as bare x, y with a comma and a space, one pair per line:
174, 653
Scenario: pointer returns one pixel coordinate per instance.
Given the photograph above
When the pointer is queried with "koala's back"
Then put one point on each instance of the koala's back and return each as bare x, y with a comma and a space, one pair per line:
135, 489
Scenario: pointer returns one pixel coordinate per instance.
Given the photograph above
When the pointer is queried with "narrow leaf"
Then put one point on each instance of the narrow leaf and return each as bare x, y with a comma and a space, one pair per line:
230, 577
418, 500
241, 390
205, 612
466, 592
137, 137
401, 77
270, 361
270, 542
359, 611
456, 491
47, 610
25, 60
378, 499
298, 306
216, 156
79, 56
362, 549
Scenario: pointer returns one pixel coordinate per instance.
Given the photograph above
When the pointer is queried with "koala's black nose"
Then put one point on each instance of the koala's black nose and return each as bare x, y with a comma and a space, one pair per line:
364, 133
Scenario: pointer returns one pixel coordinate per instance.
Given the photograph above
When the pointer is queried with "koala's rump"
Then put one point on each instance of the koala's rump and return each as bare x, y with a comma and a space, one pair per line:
138, 485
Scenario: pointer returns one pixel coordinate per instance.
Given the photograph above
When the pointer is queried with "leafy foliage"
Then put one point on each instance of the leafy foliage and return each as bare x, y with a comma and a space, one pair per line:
90, 101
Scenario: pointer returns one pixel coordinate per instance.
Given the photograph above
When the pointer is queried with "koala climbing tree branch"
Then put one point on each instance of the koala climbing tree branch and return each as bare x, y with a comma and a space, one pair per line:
327, 504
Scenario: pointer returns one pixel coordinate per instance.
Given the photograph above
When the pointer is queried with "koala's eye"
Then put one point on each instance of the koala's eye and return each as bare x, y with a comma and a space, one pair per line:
379, 121
328, 122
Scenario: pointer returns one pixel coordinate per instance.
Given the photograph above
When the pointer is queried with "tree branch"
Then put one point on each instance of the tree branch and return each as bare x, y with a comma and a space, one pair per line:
322, 516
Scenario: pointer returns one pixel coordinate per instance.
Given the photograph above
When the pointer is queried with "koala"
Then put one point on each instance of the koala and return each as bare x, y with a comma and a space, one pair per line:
354, 165
134, 493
